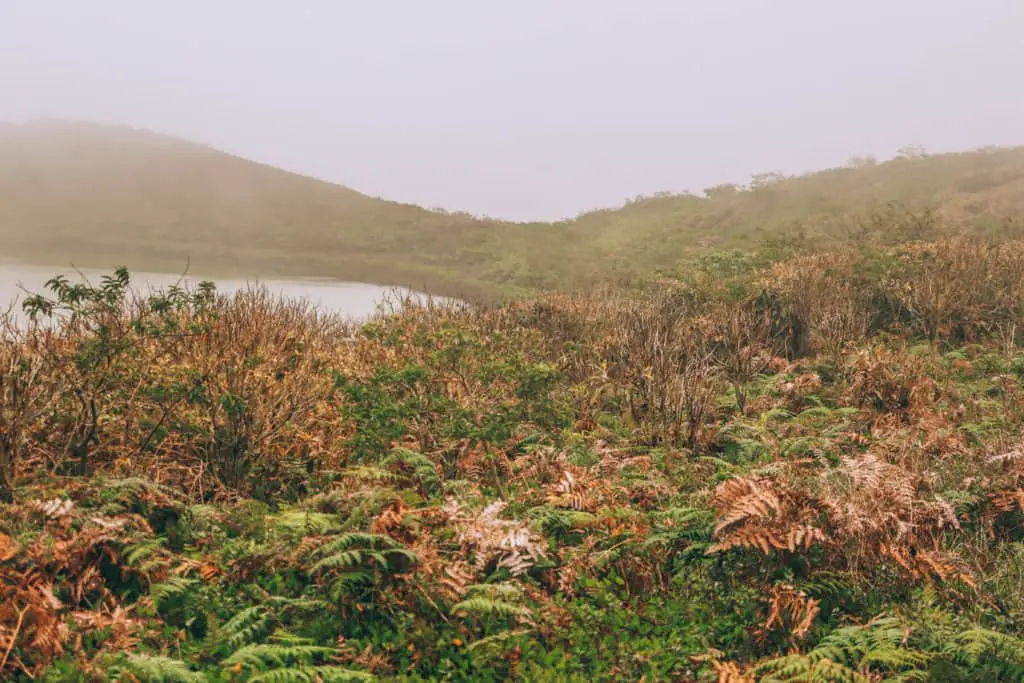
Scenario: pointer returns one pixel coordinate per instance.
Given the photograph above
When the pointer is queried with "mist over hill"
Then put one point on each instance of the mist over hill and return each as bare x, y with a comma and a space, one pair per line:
99, 195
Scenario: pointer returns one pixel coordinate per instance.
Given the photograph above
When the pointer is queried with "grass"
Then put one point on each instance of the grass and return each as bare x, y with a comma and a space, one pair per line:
797, 468
101, 195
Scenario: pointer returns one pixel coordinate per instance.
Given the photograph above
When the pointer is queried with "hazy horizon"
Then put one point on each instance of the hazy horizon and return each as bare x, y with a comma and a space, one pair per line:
530, 111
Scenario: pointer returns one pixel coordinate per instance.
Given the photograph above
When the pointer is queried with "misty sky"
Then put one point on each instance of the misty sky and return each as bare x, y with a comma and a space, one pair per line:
527, 108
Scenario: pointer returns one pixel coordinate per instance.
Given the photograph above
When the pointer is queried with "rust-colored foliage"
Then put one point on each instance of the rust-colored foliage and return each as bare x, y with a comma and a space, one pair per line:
791, 610
764, 514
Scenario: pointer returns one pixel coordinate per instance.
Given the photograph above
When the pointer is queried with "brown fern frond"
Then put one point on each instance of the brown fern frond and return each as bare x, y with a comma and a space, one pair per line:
730, 672
791, 609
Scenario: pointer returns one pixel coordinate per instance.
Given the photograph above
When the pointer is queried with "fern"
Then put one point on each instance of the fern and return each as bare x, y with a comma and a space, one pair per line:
485, 600
423, 470
244, 628
298, 604
490, 651
349, 583
121, 495
154, 669
355, 561
979, 647
498, 639
306, 522
688, 527
267, 656
802, 445
556, 522
879, 643
489, 607
684, 516
853, 653
174, 586
773, 414
142, 555
801, 668
361, 549
371, 473
833, 586
313, 674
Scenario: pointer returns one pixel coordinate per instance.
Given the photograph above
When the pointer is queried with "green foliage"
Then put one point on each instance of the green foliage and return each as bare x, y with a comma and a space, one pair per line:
491, 600
313, 674
355, 562
304, 522
439, 498
380, 408
852, 653
293, 226
246, 627
421, 469
154, 669
171, 588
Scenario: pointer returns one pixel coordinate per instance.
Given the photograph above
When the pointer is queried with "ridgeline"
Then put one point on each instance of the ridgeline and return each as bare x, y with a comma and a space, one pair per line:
102, 195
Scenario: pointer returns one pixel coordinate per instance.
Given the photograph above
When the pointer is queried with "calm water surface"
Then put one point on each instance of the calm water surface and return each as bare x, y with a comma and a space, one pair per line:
350, 299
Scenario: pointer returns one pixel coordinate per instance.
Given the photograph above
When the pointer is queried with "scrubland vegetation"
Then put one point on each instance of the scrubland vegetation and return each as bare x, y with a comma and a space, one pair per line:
777, 464
97, 195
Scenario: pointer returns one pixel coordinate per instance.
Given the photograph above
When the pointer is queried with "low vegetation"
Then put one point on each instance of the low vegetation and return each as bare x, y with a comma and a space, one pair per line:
778, 465
97, 195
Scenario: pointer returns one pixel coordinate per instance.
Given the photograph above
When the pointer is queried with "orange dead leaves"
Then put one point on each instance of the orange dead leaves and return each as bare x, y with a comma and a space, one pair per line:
8, 547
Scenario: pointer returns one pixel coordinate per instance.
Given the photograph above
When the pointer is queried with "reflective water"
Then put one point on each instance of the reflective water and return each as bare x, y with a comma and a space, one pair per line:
350, 299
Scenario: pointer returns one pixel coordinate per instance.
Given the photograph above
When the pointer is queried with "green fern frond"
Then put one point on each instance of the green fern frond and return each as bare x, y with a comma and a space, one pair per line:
348, 583
305, 521
830, 585
173, 587
491, 599
800, 445
494, 590
299, 604
357, 538
136, 554
244, 628
799, 668
979, 645
681, 525
496, 639
130, 489
424, 471
313, 674
154, 669
342, 560
815, 413
371, 473
773, 414
879, 644
684, 516
556, 521
480, 606
267, 656
341, 553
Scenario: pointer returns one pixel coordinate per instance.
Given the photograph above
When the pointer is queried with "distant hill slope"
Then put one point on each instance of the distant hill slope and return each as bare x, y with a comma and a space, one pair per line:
99, 195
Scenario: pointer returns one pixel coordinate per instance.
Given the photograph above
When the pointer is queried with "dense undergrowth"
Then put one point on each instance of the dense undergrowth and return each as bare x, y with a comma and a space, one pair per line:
807, 469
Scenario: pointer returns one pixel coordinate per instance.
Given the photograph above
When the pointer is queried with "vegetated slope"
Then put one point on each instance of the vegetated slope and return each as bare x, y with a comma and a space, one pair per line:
100, 195
809, 472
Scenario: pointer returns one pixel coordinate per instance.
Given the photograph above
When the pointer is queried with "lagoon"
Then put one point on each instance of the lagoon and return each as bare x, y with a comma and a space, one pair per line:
352, 300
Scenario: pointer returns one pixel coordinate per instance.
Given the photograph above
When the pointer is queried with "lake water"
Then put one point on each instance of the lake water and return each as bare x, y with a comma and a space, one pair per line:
350, 299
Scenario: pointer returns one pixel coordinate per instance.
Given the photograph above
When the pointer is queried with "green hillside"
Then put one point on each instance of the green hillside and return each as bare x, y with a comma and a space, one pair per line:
99, 195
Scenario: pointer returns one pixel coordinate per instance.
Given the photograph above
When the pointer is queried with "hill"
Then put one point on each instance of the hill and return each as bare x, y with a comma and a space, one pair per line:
98, 195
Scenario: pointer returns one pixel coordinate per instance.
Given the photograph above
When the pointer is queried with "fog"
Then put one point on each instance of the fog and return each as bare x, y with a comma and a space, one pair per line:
529, 109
